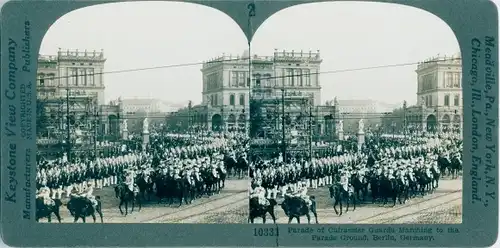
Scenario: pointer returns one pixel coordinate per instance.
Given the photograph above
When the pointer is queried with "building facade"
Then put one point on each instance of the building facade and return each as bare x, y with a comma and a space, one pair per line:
439, 96
372, 112
70, 90
226, 84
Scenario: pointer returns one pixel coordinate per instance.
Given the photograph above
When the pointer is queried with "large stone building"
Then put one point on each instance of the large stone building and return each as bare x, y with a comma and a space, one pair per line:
372, 112
70, 89
226, 88
439, 96
147, 105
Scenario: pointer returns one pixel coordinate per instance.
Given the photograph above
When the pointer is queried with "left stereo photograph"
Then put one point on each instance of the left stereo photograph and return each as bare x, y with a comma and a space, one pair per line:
135, 123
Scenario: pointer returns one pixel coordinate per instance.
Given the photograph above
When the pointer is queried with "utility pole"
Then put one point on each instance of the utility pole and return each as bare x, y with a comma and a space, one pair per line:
283, 139
310, 133
96, 116
251, 13
404, 119
68, 133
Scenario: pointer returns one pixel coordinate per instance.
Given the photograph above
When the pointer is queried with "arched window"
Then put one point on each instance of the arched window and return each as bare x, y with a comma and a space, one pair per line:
447, 100
242, 99
231, 100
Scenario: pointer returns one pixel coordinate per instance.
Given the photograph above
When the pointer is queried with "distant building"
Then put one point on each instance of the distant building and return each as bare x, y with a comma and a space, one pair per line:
136, 105
372, 112
70, 89
439, 96
78, 71
226, 86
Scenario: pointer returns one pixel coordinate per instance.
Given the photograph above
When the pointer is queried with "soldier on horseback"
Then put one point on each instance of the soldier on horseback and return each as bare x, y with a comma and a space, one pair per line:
302, 193
88, 193
260, 193
44, 193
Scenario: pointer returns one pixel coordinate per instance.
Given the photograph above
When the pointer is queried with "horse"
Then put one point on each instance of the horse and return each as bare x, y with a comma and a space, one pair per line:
126, 196
145, 184
259, 210
241, 166
455, 167
295, 207
230, 164
338, 194
390, 188
46, 211
360, 183
222, 178
81, 207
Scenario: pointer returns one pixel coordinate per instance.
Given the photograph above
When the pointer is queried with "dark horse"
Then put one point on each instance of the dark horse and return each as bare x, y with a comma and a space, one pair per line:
295, 207
46, 211
126, 196
145, 184
259, 210
339, 194
81, 207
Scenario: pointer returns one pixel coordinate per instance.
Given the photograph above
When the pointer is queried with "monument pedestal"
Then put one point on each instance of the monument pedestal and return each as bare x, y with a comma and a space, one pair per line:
125, 134
145, 139
341, 135
361, 139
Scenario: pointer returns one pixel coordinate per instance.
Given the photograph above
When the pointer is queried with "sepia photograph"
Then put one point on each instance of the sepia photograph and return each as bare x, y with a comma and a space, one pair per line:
136, 119
356, 117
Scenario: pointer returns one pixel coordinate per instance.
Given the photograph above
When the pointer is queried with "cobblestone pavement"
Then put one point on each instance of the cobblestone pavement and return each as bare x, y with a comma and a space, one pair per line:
230, 206
443, 206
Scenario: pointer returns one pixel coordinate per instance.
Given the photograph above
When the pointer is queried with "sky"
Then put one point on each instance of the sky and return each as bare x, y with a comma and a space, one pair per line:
149, 34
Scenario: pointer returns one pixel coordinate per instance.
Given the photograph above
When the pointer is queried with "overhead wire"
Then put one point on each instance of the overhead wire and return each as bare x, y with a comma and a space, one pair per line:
247, 58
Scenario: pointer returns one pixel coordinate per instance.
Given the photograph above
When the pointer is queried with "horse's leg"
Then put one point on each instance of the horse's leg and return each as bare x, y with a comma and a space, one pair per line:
340, 203
99, 211
76, 218
139, 202
394, 197
290, 219
308, 217
335, 206
354, 204
83, 219
315, 215
298, 219
273, 216
120, 206
348, 202
49, 218
264, 218
58, 216
126, 207
93, 217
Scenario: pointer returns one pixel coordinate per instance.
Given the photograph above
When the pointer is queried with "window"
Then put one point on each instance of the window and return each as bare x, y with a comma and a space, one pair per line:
231, 100
298, 80
456, 101
72, 76
288, 77
447, 100
257, 80
292, 77
457, 80
241, 79
234, 79
41, 80
83, 77
307, 77
242, 99
449, 79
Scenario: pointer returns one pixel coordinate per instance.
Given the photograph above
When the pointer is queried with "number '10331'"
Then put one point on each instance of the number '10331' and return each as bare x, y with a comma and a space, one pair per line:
263, 232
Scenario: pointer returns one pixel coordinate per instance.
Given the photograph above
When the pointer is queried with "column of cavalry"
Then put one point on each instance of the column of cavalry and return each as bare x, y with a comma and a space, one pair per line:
384, 169
173, 167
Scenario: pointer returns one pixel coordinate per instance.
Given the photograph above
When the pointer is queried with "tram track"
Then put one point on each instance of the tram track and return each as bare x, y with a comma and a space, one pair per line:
172, 217
380, 216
